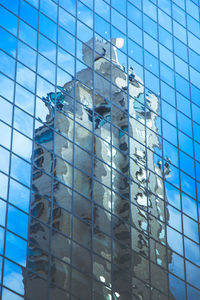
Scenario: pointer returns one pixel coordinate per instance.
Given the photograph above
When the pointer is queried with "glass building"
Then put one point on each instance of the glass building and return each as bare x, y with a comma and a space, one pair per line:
99, 149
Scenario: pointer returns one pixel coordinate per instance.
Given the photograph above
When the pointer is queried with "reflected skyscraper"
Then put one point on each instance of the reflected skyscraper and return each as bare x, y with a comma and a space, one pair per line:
114, 191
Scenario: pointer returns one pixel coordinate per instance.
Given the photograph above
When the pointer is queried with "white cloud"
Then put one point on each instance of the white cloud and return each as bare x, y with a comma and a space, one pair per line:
14, 281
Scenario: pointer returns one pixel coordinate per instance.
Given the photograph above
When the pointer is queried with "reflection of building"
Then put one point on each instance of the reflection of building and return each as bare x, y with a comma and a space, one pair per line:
104, 161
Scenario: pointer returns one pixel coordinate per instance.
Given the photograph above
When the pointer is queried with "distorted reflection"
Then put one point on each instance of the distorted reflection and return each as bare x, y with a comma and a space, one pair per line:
114, 178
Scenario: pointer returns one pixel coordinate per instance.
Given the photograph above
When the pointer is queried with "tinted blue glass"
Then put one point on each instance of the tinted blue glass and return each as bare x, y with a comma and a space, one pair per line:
185, 143
27, 55
28, 34
195, 94
165, 5
178, 14
3, 214
179, 32
135, 15
17, 221
118, 20
194, 76
49, 8
135, 51
169, 133
193, 26
182, 86
13, 274
66, 40
48, 27
152, 82
14, 242
69, 5
197, 151
8, 20
19, 195
8, 42
173, 195
135, 33
150, 44
102, 27
171, 152
183, 104
194, 42
192, 9
165, 38
151, 63
192, 293
188, 185
150, 26
189, 206
1, 259
169, 113
85, 13
185, 124
166, 56
20, 170
194, 60
175, 240
196, 129
11, 5
191, 230
167, 74
150, 9
7, 64
167, 93
180, 49
138, 95
180, 3
181, 67
174, 218
187, 164
29, 14
177, 287
2, 233
164, 20
67, 21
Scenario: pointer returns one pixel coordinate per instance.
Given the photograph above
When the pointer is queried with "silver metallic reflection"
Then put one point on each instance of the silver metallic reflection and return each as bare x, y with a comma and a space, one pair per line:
113, 172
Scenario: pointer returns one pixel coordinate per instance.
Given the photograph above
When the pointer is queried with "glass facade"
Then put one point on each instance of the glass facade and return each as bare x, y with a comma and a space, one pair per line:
99, 149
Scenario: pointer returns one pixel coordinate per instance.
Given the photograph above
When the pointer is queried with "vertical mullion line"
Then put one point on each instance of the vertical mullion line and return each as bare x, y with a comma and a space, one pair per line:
146, 156
53, 160
162, 169
93, 156
10, 158
73, 155
179, 157
129, 152
111, 151
198, 204
33, 136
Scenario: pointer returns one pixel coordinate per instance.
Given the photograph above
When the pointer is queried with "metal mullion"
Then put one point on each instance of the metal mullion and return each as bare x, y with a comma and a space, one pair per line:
146, 164
163, 177
10, 156
111, 150
179, 162
129, 157
74, 82
53, 159
32, 157
93, 156
196, 190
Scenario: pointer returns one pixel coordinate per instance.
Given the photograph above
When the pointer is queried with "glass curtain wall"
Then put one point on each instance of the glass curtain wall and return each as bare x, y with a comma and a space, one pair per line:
99, 149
